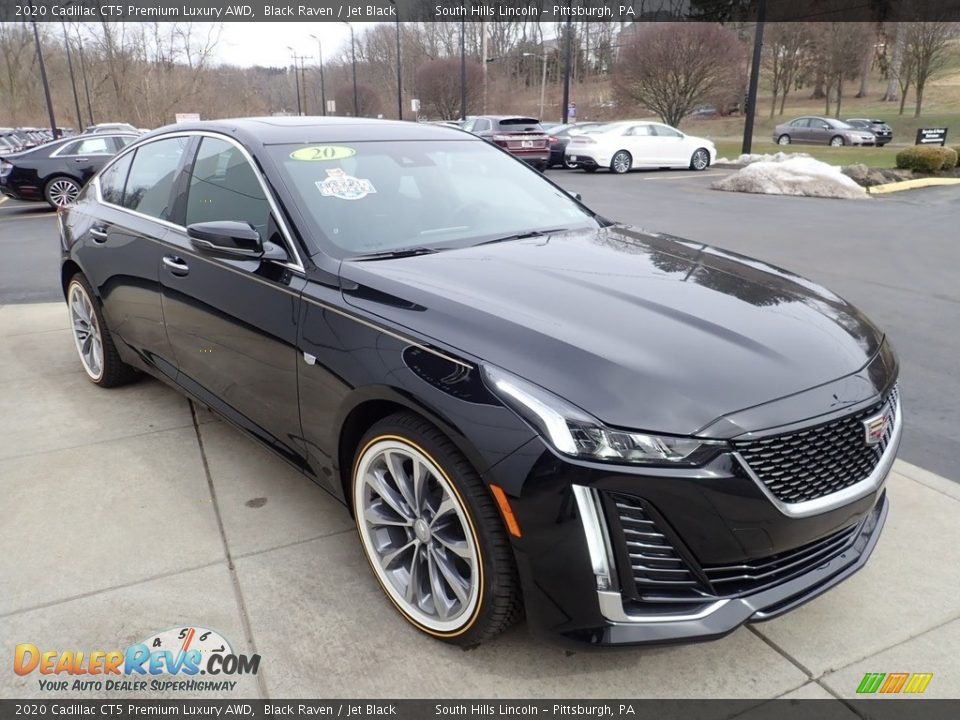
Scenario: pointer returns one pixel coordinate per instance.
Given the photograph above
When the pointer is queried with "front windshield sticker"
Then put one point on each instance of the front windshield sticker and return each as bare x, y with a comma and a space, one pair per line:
343, 186
323, 152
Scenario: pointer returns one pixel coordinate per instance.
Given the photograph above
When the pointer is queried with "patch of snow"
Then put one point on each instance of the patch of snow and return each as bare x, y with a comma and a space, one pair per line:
747, 159
797, 175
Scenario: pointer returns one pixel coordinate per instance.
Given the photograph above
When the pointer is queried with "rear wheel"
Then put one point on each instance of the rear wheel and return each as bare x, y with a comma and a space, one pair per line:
836, 141
98, 354
432, 533
568, 163
700, 160
783, 140
61, 191
621, 162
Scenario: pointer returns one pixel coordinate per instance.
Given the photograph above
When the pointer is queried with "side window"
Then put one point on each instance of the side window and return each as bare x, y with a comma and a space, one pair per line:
223, 186
639, 131
114, 178
481, 125
93, 146
152, 176
801, 123
665, 131
121, 141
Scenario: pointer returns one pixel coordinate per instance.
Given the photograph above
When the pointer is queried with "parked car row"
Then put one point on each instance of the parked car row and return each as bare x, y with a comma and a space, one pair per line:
56, 171
830, 131
13, 140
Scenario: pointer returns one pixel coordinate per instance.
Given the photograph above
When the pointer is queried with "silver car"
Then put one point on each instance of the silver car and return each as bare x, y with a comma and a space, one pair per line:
821, 131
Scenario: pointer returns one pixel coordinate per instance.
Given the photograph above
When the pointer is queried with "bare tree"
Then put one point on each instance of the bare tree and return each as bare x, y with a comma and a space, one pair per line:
839, 48
928, 49
892, 67
788, 50
672, 68
438, 84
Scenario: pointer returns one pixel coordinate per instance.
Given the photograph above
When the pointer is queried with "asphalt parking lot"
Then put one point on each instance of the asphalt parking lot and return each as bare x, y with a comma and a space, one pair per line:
896, 257
130, 511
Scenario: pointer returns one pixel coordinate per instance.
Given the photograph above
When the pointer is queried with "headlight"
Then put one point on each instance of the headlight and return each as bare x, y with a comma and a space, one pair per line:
573, 432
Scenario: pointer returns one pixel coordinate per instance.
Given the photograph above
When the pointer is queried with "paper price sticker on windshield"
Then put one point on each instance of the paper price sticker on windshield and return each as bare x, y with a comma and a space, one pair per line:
323, 152
343, 186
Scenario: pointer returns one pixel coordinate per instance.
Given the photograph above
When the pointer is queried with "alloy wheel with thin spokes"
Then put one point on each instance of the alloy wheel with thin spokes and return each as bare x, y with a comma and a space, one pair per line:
62, 192
700, 160
621, 162
86, 331
417, 535
836, 141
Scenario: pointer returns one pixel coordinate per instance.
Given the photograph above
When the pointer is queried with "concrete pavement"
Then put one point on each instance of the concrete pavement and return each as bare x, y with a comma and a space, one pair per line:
128, 511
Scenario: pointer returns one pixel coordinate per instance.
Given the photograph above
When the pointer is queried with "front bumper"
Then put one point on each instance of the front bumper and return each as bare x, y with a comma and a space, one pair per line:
744, 556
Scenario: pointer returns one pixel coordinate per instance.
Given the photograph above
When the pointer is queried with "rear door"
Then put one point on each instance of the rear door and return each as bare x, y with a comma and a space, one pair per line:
122, 250
642, 144
233, 323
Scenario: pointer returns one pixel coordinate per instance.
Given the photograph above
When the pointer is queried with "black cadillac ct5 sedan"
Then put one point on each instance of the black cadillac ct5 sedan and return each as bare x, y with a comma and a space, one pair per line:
527, 408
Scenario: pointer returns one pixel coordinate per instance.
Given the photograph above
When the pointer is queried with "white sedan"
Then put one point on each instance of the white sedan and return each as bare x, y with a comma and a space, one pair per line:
622, 146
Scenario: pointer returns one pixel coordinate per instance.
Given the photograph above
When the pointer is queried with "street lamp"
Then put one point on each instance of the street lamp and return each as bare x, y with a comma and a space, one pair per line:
543, 79
399, 76
73, 80
353, 52
463, 71
43, 78
323, 94
296, 79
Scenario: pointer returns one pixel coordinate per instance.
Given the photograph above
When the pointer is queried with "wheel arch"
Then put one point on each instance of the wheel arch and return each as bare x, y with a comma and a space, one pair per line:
67, 271
366, 406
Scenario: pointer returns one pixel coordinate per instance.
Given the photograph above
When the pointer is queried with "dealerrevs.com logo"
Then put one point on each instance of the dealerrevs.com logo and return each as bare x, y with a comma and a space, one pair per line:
171, 660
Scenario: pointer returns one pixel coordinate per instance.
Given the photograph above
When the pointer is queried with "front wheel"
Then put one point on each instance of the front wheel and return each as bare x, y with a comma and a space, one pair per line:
61, 191
783, 140
432, 533
836, 141
700, 160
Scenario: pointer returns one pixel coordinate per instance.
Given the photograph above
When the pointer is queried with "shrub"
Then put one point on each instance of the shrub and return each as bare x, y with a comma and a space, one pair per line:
953, 154
925, 158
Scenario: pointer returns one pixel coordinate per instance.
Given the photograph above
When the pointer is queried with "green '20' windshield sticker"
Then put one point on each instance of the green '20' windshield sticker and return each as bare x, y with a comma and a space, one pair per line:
323, 152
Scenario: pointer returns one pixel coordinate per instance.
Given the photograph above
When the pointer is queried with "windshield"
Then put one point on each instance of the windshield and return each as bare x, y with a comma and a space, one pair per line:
374, 197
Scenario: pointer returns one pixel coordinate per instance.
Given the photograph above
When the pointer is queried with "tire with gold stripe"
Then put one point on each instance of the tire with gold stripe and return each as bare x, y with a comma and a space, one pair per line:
432, 533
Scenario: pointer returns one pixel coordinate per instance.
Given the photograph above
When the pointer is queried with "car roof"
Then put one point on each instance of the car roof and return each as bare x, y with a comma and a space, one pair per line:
261, 131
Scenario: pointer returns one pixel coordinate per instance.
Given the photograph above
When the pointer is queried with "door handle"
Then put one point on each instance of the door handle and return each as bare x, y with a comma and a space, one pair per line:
81, 159
175, 265
99, 234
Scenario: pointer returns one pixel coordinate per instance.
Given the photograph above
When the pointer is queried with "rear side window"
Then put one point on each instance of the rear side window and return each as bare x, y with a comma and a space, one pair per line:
152, 175
113, 179
801, 123
223, 186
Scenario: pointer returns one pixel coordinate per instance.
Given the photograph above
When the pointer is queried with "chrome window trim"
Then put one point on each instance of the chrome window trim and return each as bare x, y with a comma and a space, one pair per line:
870, 484
274, 208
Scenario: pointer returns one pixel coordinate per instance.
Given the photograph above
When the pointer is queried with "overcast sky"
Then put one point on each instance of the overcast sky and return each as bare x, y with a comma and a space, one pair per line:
253, 43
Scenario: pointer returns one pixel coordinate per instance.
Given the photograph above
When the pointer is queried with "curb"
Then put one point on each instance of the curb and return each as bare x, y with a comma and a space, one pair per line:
911, 185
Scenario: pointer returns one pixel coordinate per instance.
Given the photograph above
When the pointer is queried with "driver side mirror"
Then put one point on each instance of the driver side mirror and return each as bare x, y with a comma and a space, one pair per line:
231, 239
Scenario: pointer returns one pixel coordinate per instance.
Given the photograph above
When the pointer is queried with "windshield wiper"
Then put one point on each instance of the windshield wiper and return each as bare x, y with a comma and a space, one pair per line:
522, 236
400, 253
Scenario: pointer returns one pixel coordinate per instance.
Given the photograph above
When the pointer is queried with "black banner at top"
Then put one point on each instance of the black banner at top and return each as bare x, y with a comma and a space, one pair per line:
550, 11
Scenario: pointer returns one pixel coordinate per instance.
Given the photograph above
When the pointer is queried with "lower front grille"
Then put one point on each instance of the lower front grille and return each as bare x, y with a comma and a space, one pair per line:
820, 460
656, 568
756, 575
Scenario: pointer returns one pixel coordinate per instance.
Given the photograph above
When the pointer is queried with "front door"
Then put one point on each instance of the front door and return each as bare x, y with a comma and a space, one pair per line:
233, 323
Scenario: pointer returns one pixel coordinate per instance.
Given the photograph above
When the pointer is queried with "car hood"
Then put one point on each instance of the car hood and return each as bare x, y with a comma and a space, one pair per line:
642, 330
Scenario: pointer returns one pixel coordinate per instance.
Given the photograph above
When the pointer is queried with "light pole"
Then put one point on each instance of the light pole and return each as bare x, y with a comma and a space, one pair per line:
566, 73
399, 75
323, 93
73, 80
463, 72
543, 78
83, 74
296, 78
751, 108
43, 78
353, 53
